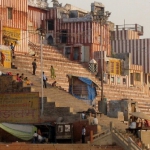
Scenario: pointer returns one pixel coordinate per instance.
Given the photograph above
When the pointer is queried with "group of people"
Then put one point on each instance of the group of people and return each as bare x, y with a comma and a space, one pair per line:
94, 120
52, 71
21, 78
138, 123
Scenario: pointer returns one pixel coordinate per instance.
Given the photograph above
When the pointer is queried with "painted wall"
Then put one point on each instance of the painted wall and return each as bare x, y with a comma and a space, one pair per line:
18, 21
139, 49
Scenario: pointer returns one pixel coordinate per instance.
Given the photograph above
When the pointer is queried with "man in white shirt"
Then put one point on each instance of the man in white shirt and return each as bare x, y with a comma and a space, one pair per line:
83, 115
83, 134
132, 125
95, 121
44, 80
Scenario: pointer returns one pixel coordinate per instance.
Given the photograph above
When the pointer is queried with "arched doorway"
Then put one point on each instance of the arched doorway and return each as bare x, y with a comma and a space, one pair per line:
50, 40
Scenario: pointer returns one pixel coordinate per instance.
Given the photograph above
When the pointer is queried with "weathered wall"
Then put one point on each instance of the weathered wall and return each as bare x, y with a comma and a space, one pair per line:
18, 21
139, 49
36, 19
145, 136
77, 129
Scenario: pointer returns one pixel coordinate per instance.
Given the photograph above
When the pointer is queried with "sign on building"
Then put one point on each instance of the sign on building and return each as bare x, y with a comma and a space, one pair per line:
19, 107
12, 33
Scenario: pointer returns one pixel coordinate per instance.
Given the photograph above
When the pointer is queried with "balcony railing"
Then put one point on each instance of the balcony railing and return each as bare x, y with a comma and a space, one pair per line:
134, 27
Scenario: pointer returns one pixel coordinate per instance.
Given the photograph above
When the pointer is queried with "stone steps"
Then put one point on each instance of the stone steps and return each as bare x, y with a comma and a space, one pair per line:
63, 66
65, 101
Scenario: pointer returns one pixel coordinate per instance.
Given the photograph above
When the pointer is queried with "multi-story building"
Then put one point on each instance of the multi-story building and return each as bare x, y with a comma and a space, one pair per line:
72, 29
126, 39
77, 31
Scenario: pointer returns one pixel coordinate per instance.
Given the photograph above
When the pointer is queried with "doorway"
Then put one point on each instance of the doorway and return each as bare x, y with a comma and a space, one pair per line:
76, 53
68, 52
64, 36
133, 107
131, 79
50, 40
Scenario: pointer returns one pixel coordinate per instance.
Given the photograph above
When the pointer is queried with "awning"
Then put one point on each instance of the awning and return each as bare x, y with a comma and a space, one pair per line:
86, 78
21, 131
140, 115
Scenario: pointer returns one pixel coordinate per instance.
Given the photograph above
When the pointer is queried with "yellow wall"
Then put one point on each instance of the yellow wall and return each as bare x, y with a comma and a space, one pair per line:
12, 33
115, 66
19, 107
7, 60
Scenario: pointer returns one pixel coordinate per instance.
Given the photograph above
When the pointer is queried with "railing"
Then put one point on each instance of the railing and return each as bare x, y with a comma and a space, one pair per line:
127, 143
96, 136
134, 27
100, 134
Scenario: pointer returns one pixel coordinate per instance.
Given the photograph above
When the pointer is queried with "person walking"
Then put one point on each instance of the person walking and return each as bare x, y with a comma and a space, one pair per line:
44, 81
83, 134
34, 66
12, 47
52, 72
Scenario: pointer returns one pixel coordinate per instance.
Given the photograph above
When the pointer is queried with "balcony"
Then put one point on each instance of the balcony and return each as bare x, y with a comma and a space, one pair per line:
134, 27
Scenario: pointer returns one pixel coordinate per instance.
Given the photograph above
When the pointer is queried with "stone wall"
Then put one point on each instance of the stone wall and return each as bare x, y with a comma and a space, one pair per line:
9, 85
117, 106
145, 136
77, 129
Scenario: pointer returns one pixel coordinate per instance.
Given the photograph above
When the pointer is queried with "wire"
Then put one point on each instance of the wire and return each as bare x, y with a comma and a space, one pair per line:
72, 34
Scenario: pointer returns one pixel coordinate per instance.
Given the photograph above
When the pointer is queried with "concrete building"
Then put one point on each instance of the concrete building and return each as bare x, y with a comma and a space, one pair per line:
126, 39
72, 29
76, 32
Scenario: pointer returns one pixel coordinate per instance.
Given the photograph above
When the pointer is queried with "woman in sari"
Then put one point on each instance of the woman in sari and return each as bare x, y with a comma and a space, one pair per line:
52, 72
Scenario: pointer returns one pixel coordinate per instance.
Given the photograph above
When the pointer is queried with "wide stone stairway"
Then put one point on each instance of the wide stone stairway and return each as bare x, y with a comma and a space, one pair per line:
63, 66
57, 102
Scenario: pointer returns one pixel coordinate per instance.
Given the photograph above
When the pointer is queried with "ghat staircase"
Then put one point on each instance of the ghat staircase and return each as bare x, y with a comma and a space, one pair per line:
63, 66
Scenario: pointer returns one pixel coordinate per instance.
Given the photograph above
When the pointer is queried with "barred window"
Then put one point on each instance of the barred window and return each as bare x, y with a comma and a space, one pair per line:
50, 24
112, 67
117, 68
9, 11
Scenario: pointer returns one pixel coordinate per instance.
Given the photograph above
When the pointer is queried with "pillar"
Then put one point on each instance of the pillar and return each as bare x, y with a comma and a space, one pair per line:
91, 136
1, 32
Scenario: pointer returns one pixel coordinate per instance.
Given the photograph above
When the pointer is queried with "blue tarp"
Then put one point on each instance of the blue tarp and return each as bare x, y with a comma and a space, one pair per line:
90, 88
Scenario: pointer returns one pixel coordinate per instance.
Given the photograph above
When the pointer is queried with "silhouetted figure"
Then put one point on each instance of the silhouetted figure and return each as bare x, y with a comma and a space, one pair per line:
54, 84
34, 66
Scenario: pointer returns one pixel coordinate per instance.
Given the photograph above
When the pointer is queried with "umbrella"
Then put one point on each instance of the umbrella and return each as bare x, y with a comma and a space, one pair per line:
140, 115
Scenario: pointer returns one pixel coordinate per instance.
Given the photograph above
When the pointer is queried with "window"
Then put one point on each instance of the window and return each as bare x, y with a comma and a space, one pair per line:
137, 77
60, 128
112, 67
112, 79
50, 24
118, 80
124, 80
67, 128
9, 13
64, 36
117, 68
